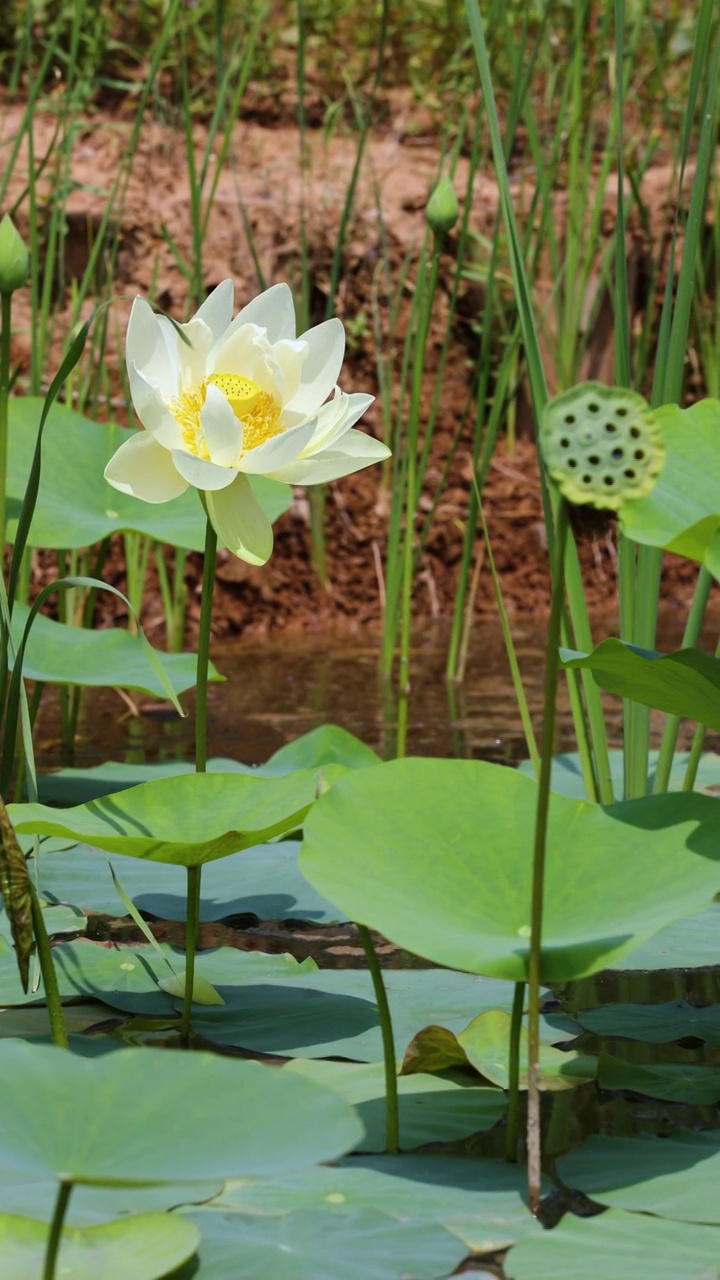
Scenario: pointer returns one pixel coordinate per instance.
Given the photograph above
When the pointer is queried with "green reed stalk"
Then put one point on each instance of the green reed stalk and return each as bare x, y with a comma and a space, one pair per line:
672, 341
5, 330
194, 873
538, 392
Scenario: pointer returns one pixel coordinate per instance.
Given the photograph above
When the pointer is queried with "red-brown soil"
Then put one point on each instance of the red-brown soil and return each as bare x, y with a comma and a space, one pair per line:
262, 175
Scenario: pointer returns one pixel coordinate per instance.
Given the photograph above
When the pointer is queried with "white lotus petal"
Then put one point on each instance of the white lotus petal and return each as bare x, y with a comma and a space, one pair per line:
248, 353
216, 310
142, 468
321, 368
290, 356
276, 452
335, 418
203, 475
240, 522
272, 310
152, 410
146, 347
222, 430
355, 451
193, 353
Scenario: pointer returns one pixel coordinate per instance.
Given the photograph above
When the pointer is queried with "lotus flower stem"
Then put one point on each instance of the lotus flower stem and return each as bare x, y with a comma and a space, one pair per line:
392, 1107
511, 1138
56, 1226
194, 873
538, 874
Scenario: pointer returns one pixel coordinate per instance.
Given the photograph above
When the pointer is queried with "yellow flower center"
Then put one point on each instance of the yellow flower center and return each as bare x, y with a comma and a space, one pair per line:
259, 414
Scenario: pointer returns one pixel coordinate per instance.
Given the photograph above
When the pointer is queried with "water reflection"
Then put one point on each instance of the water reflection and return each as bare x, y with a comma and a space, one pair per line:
285, 686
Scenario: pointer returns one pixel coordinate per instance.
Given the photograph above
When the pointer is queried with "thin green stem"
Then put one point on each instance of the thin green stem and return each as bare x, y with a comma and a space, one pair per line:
672, 723
392, 1106
203, 656
47, 969
56, 1226
5, 321
192, 926
538, 874
511, 1136
194, 873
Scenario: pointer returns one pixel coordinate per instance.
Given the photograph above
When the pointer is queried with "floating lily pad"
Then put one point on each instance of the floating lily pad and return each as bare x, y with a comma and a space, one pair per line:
146, 1247
436, 855
90, 1205
675, 1177
690, 943
432, 1109
483, 1202
567, 779
325, 1243
263, 880
76, 506
150, 1116
328, 744
655, 1023
274, 1005
186, 821
59, 654
686, 683
625, 1246
671, 1081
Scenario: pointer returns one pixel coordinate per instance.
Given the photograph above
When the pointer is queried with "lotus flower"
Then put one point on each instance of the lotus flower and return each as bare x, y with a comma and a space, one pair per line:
221, 399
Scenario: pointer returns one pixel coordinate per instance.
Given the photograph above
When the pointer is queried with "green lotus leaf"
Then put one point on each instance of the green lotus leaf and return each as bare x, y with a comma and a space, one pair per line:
432, 1109
672, 1081
483, 1202
436, 855
184, 820
622, 1245
673, 1177
486, 1045
686, 683
145, 1247
263, 880
146, 1116
682, 514
326, 745
59, 654
328, 1243
76, 506
655, 1023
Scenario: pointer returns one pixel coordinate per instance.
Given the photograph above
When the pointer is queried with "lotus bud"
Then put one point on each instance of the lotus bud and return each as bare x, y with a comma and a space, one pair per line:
442, 210
14, 257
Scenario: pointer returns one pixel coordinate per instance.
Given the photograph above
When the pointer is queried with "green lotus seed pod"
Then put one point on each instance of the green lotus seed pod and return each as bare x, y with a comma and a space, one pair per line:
14, 257
442, 210
601, 445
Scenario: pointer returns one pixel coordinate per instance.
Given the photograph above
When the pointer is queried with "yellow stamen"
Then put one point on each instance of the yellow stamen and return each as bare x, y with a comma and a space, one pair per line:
259, 414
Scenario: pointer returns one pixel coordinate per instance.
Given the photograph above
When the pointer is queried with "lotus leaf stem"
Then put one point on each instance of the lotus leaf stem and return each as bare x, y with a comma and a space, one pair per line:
392, 1106
511, 1139
56, 1226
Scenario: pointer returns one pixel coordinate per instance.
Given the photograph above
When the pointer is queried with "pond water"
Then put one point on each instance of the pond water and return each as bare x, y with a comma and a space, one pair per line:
287, 685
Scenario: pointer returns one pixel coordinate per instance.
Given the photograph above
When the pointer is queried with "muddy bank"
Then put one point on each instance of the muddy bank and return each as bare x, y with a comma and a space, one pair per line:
260, 201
